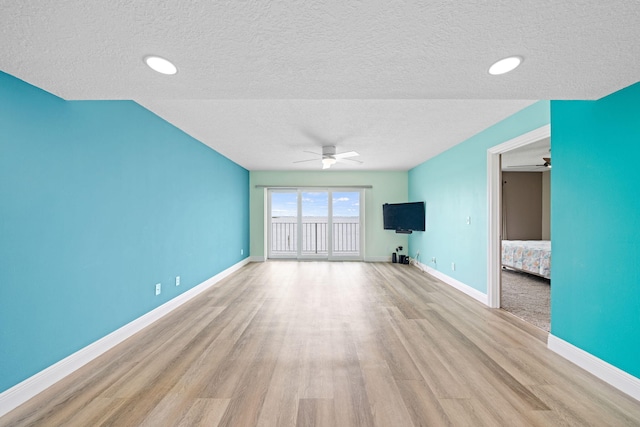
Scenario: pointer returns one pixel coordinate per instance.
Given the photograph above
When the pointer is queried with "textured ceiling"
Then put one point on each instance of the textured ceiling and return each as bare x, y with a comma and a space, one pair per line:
388, 134
262, 81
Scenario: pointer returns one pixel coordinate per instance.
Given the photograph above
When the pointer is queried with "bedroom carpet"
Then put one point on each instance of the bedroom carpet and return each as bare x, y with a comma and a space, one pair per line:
527, 297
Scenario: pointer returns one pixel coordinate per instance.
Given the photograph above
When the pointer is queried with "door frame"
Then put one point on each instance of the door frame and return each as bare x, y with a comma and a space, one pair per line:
494, 196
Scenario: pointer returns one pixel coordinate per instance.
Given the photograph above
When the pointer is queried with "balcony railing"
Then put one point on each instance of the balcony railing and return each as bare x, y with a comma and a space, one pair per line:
346, 238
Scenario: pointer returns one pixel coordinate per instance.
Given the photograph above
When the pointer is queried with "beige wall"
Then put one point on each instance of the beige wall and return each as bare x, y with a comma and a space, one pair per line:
546, 205
522, 205
387, 187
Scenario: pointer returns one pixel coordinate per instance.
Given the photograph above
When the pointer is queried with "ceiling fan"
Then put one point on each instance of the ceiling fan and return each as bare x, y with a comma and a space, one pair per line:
329, 156
546, 164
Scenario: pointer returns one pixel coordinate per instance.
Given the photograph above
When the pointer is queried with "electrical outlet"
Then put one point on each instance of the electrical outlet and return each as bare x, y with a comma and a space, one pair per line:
241, 251
433, 260
453, 266
468, 220
158, 288
177, 280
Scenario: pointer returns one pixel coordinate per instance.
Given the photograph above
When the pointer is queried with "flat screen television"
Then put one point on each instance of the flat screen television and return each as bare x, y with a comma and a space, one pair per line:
403, 217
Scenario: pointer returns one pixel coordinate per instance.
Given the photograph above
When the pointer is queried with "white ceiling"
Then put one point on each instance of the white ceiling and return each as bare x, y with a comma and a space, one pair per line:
263, 81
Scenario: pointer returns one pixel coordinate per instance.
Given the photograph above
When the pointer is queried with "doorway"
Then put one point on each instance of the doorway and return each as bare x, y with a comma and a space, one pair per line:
494, 187
311, 223
525, 286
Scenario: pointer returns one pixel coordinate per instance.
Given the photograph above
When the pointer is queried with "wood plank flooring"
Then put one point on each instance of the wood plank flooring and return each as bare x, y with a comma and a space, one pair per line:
331, 344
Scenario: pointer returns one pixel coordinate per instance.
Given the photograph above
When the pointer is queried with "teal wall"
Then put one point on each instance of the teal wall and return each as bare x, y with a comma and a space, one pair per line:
454, 187
100, 200
387, 187
595, 297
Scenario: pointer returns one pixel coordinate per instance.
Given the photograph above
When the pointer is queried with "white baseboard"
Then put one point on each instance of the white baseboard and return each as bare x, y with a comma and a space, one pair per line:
20, 393
621, 380
616, 377
472, 292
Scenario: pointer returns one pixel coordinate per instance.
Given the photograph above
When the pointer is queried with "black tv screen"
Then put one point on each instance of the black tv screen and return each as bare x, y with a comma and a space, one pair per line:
403, 217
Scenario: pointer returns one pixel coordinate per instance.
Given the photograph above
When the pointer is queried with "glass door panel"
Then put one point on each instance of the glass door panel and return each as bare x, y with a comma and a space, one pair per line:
346, 224
314, 224
283, 224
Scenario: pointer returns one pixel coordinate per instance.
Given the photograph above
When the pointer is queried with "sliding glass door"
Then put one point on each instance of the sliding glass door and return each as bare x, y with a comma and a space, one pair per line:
315, 224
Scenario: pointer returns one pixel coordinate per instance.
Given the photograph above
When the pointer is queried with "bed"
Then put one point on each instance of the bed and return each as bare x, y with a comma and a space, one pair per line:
530, 256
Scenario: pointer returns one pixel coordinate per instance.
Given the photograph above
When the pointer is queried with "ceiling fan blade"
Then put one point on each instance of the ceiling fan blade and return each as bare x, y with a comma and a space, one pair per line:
345, 155
328, 152
350, 160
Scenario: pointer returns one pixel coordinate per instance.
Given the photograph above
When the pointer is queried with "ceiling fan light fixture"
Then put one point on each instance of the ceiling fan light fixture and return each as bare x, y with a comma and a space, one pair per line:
160, 65
505, 65
327, 162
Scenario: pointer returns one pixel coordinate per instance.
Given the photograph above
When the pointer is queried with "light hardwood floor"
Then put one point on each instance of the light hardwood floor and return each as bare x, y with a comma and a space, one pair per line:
331, 344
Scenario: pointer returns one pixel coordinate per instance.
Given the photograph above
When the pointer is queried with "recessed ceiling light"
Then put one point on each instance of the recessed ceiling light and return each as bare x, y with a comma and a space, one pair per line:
505, 65
160, 65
